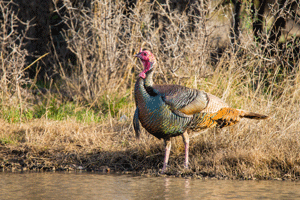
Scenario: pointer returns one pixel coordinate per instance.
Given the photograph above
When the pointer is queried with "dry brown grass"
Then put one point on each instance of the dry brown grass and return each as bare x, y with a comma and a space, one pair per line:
104, 42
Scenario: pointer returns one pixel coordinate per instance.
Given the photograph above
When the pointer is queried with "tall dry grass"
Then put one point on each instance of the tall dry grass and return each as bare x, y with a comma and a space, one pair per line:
13, 61
260, 77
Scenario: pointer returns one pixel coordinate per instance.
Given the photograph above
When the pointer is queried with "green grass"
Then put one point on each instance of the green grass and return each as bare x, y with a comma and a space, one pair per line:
13, 114
56, 110
113, 105
53, 111
66, 110
5, 140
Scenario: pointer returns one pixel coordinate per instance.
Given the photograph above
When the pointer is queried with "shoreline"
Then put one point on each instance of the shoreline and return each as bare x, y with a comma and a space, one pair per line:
235, 153
26, 161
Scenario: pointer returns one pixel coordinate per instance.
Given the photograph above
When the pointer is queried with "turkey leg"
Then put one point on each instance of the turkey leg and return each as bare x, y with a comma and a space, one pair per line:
186, 140
167, 154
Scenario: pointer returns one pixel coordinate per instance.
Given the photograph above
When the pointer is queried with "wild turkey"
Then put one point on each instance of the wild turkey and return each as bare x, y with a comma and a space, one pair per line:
167, 111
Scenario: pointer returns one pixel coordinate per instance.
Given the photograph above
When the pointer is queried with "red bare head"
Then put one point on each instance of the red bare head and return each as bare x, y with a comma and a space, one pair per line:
148, 61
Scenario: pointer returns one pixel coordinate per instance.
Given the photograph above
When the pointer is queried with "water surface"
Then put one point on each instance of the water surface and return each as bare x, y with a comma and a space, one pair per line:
100, 186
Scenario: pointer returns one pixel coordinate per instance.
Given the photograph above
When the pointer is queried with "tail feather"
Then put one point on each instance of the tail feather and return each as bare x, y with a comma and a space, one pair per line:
224, 117
252, 115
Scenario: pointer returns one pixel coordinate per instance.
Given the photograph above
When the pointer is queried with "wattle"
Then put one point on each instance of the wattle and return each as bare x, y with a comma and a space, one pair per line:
142, 75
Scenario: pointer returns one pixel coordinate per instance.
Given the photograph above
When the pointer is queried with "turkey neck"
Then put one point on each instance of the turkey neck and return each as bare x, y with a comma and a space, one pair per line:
149, 79
141, 94
143, 87
149, 83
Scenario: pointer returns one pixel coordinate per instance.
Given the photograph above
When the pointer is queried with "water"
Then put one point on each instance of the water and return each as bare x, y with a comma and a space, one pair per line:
98, 186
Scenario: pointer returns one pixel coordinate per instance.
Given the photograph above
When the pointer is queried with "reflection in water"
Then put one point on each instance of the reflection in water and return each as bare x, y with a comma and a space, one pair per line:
99, 186
167, 187
187, 187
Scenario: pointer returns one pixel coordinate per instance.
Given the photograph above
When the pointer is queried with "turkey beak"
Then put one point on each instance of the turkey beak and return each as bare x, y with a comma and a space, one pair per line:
137, 55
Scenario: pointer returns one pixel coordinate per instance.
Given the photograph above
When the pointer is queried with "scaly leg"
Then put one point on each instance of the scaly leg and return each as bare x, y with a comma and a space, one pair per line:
167, 154
186, 140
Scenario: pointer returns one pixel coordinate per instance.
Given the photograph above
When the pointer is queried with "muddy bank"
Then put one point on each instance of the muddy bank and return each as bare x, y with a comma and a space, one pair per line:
21, 159
239, 152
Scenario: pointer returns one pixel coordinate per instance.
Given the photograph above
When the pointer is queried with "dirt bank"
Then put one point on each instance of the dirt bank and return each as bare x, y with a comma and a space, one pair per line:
45, 145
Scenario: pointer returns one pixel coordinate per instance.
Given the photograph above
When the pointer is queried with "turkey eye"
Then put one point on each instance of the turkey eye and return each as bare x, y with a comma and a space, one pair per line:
145, 54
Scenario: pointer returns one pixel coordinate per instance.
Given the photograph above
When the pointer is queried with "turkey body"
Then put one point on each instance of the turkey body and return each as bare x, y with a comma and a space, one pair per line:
156, 116
167, 111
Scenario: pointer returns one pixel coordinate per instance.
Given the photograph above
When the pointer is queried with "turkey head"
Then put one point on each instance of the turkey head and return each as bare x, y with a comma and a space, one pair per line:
148, 61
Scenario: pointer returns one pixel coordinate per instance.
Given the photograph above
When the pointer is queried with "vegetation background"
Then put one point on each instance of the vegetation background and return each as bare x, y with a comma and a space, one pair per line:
67, 75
